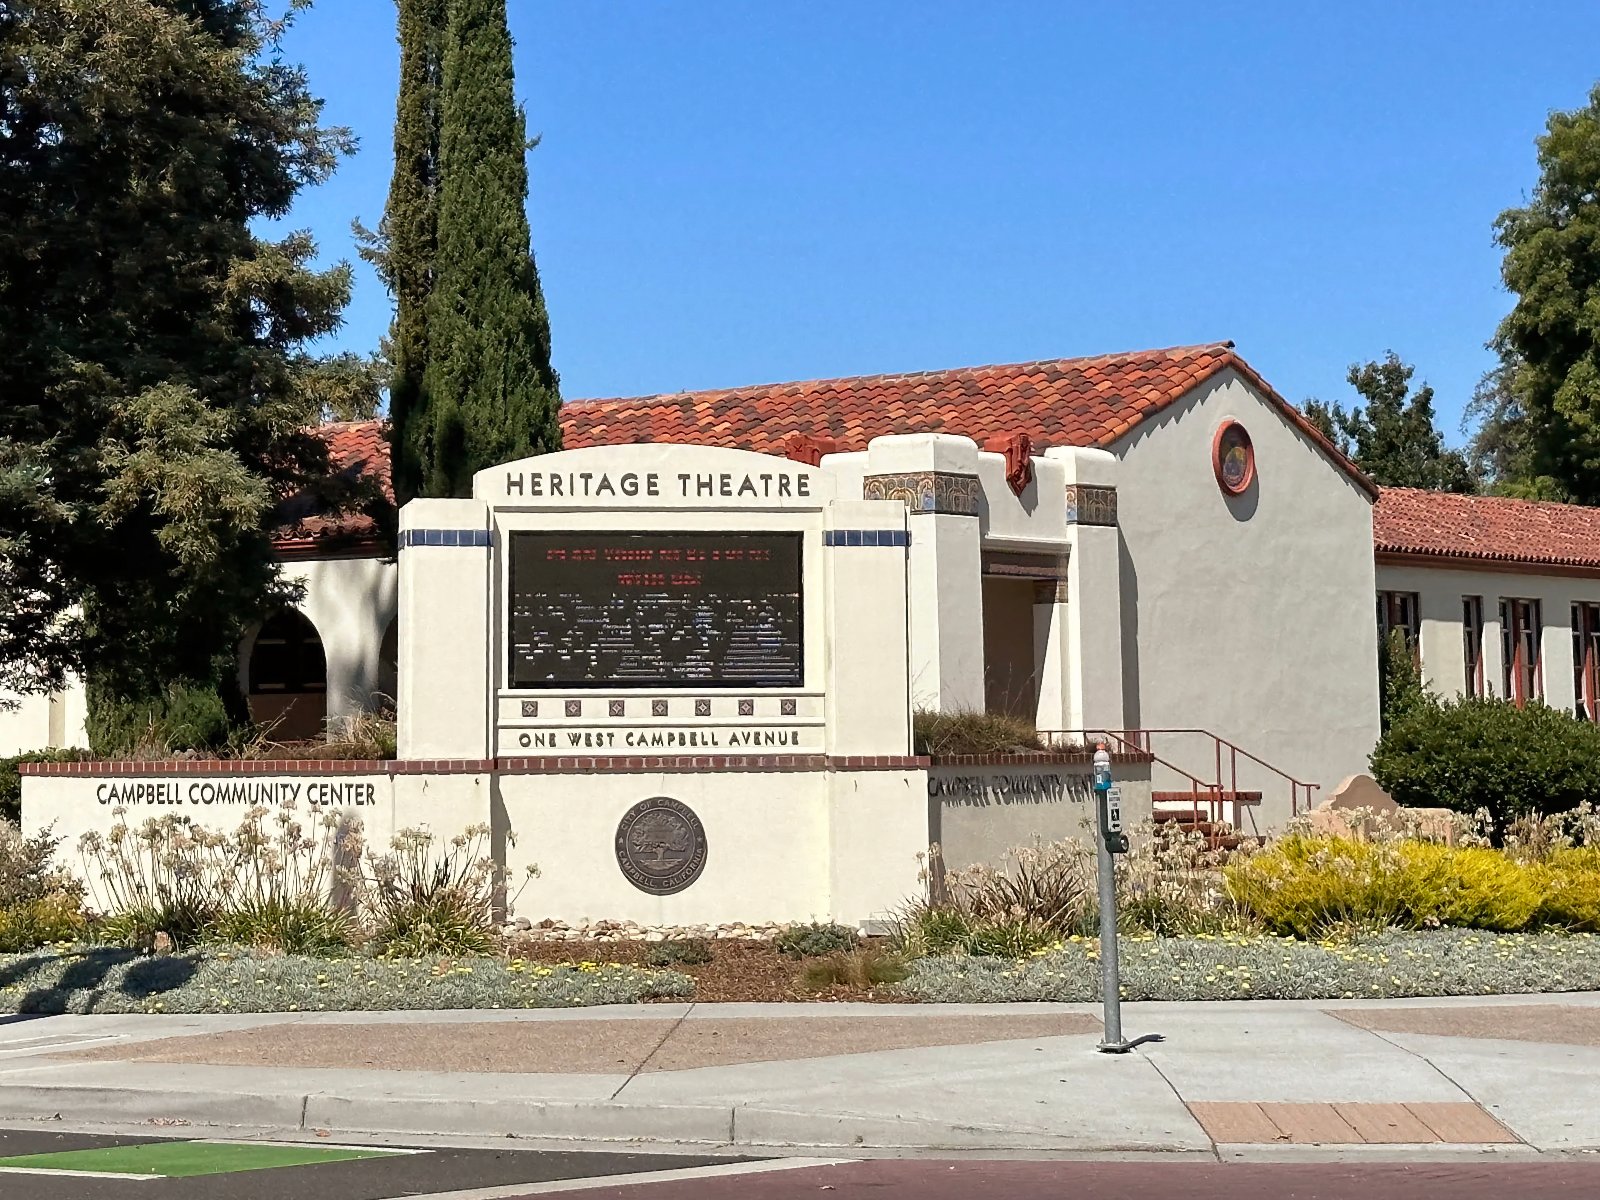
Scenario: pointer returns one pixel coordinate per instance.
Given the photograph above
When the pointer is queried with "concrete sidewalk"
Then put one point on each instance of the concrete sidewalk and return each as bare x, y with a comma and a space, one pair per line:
1261, 1079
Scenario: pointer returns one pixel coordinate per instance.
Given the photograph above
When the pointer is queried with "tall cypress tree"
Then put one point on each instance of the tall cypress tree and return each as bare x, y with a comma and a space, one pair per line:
407, 239
489, 393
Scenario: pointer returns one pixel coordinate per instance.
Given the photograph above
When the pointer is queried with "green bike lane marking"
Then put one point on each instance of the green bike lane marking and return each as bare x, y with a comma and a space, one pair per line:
185, 1160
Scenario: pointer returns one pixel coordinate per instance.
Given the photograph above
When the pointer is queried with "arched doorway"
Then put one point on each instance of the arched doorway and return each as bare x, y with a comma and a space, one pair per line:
388, 685
288, 678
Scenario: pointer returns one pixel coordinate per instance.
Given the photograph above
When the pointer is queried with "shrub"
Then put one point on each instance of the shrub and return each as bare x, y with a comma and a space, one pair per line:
28, 869
942, 929
688, 952
1399, 678
11, 778
815, 940
185, 715
1050, 885
47, 920
861, 968
427, 896
1310, 887
957, 733
1570, 886
1171, 884
1481, 754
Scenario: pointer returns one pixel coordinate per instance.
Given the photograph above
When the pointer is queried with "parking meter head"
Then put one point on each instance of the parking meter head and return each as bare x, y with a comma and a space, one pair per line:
1102, 768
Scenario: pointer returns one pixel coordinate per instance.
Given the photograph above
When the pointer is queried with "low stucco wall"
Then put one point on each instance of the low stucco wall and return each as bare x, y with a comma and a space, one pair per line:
979, 808
821, 841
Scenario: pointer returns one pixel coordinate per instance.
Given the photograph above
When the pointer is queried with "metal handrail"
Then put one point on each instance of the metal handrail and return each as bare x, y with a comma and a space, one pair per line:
1296, 786
1214, 802
1139, 741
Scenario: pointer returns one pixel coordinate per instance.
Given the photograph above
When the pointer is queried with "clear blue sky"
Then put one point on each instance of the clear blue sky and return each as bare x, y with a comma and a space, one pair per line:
733, 193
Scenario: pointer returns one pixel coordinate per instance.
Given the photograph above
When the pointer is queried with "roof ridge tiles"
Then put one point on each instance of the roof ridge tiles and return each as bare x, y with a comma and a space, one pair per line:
1197, 349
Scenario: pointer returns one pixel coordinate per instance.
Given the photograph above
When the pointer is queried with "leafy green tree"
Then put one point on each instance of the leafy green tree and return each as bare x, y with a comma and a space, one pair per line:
1501, 448
1391, 434
1550, 341
489, 393
406, 242
153, 357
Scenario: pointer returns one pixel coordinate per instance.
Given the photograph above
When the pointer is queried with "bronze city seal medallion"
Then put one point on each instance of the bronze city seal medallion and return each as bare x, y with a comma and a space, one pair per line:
661, 845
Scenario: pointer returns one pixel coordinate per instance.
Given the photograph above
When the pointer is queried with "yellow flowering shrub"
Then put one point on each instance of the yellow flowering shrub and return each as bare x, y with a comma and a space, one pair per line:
1310, 886
1571, 889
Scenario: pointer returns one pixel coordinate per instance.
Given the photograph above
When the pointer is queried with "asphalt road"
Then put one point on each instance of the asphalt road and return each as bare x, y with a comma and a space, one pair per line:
436, 1170
936, 1179
440, 1170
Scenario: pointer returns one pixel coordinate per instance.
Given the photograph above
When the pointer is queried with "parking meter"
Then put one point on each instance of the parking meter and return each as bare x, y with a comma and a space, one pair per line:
1109, 800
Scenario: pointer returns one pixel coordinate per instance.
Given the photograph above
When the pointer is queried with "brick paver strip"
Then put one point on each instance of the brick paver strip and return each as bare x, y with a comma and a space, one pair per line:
1555, 1024
1462, 1123
1386, 1123
1236, 1124
1308, 1124
583, 1047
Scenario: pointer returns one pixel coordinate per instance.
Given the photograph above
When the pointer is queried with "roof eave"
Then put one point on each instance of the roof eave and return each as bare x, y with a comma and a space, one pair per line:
1455, 560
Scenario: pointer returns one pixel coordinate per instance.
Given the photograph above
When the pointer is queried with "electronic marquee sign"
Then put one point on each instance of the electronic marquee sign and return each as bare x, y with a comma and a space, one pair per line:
655, 610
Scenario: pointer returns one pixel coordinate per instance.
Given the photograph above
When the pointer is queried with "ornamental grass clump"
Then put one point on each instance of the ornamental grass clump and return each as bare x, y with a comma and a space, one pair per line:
427, 895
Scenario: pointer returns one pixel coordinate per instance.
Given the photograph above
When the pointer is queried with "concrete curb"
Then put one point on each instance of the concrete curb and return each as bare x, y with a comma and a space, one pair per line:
559, 1121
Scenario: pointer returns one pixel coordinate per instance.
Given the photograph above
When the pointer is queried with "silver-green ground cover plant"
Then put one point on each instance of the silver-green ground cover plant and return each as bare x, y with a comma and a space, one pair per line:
1440, 962
220, 981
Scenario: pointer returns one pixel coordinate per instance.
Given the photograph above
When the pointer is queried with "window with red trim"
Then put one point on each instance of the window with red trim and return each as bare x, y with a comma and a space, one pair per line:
1586, 660
1398, 610
1472, 643
1521, 627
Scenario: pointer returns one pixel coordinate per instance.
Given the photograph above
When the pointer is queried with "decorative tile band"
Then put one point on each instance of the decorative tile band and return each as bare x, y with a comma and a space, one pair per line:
1088, 505
938, 492
444, 537
866, 537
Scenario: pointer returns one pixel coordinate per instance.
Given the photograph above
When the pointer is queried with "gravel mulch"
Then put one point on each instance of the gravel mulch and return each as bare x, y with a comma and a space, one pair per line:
750, 971
1440, 962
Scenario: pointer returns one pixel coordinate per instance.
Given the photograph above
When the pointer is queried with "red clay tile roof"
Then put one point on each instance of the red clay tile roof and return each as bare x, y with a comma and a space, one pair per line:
1060, 402
1485, 528
359, 448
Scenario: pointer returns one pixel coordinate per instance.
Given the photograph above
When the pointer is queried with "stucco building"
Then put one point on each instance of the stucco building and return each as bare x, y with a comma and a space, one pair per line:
1152, 541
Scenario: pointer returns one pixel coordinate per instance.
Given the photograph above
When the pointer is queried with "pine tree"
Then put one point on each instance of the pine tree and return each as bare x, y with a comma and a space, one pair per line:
407, 240
489, 393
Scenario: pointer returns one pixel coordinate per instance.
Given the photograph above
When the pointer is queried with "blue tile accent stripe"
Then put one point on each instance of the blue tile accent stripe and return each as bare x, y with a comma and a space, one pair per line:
443, 537
866, 537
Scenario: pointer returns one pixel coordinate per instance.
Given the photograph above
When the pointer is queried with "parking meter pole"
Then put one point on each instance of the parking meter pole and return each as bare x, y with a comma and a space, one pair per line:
1108, 812
1110, 977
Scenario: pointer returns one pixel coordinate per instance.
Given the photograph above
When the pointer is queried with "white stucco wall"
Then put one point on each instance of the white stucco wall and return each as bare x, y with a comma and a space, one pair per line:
43, 722
350, 601
1439, 591
1249, 616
